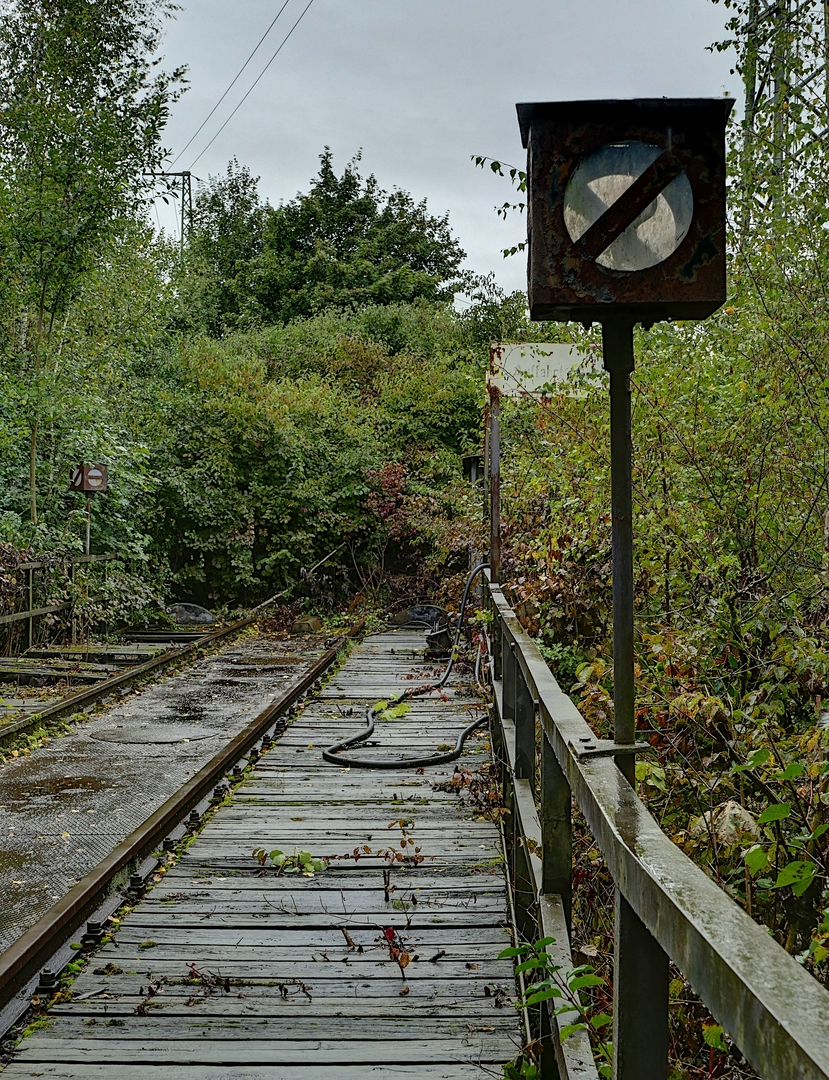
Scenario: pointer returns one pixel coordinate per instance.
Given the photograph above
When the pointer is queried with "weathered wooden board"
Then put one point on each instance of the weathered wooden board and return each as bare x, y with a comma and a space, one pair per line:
126, 1069
226, 969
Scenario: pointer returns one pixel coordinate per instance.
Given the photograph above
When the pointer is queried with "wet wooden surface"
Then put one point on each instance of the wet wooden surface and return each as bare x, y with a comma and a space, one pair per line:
225, 970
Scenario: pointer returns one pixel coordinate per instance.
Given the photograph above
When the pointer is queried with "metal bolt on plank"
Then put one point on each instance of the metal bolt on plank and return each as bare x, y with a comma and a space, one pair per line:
47, 983
93, 934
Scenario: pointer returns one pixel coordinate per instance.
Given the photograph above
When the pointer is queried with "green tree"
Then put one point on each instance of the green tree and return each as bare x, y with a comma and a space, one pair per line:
83, 109
344, 244
226, 236
348, 242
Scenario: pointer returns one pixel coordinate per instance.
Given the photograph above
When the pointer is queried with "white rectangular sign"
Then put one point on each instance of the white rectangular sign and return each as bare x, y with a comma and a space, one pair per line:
527, 367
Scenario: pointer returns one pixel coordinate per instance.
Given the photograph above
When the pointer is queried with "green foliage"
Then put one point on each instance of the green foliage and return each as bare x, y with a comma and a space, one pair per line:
83, 107
548, 982
344, 244
301, 862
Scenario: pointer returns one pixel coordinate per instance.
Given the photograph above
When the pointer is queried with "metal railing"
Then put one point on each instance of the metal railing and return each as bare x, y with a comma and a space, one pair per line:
32, 612
666, 907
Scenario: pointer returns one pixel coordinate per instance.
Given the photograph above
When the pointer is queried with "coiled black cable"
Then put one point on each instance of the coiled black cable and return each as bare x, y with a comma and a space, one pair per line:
333, 754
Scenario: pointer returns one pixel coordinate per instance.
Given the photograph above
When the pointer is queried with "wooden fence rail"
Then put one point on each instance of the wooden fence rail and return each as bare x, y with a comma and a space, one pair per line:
32, 612
775, 1011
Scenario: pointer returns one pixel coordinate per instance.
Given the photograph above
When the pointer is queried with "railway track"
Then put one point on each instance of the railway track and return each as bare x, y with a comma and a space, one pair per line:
127, 863
138, 657
386, 964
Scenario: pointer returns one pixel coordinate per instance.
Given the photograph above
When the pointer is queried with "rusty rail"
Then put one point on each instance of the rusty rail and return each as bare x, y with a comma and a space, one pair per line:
776, 1013
26, 956
82, 700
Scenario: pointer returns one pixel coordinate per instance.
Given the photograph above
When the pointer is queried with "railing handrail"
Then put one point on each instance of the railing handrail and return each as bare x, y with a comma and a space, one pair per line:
32, 613
72, 560
776, 1012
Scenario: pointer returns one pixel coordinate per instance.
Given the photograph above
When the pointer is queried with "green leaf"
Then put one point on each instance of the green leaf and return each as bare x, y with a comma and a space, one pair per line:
755, 758
600, 1020
532, 964
543, 995
571, 1029
514, 950
799, 875
713, 1035
791, 772
757, 859
585, 980
777, 812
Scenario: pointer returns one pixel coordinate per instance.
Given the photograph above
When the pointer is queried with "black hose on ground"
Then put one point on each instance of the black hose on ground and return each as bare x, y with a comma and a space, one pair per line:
333, 754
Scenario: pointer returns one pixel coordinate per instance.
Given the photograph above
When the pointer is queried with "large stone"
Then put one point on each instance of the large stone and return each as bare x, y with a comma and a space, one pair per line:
729, 823
190, 614
308, 624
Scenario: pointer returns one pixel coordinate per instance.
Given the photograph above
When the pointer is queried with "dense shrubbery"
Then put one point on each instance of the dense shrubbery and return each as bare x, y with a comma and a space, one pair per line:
300, 383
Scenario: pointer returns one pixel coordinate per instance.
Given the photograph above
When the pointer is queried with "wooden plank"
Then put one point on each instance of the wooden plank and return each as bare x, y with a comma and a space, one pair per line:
478, 1047
279, 989
126, 1070
34, 613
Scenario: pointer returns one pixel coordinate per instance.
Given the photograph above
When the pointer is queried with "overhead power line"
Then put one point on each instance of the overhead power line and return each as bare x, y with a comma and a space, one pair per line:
258, 77
232, 84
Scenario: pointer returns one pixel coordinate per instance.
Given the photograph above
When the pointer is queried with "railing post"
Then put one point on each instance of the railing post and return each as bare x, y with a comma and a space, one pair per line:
497, 643
555, 813
524, 726
508, 675
72, 596
31, 604
640, 1000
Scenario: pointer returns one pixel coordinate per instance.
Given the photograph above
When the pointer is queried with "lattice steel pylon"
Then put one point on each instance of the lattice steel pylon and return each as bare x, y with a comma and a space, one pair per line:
783, 58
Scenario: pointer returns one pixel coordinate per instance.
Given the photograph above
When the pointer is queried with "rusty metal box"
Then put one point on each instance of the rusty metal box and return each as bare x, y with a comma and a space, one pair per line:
626, 208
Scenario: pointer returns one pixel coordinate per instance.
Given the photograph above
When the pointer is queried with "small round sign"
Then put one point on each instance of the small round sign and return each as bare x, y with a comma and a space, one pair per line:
95, 478
628, 206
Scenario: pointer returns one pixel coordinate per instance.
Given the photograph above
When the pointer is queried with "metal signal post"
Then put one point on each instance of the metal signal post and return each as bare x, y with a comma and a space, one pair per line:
626, 210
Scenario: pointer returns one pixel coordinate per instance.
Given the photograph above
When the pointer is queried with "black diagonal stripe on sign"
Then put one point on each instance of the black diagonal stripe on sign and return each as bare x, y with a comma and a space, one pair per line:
629, 206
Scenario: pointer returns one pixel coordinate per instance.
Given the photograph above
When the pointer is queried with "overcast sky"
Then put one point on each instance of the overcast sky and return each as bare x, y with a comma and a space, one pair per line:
420, 86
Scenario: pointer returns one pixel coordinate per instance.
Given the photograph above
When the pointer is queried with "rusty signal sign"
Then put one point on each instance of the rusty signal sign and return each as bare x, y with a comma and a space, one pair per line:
88, 478
626, 208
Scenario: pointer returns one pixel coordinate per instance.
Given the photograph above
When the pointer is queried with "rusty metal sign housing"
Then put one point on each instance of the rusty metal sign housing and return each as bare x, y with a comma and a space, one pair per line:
626, 208
88, 478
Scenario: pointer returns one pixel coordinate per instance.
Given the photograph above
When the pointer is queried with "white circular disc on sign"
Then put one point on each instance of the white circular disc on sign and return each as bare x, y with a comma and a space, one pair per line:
94, 478
601, 179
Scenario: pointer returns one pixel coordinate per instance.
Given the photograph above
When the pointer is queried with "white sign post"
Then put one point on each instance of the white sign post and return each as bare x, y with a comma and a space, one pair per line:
516, 370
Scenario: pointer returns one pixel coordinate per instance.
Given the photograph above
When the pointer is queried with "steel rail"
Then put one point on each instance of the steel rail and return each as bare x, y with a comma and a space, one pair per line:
775, 1011
77, 702
26, 956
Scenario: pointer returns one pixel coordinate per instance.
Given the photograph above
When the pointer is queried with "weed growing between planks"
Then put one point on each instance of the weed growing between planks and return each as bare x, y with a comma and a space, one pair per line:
548, 982
481, 790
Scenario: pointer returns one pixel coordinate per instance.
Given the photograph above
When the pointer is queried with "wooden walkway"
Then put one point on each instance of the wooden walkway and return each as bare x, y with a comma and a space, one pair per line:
224, 971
